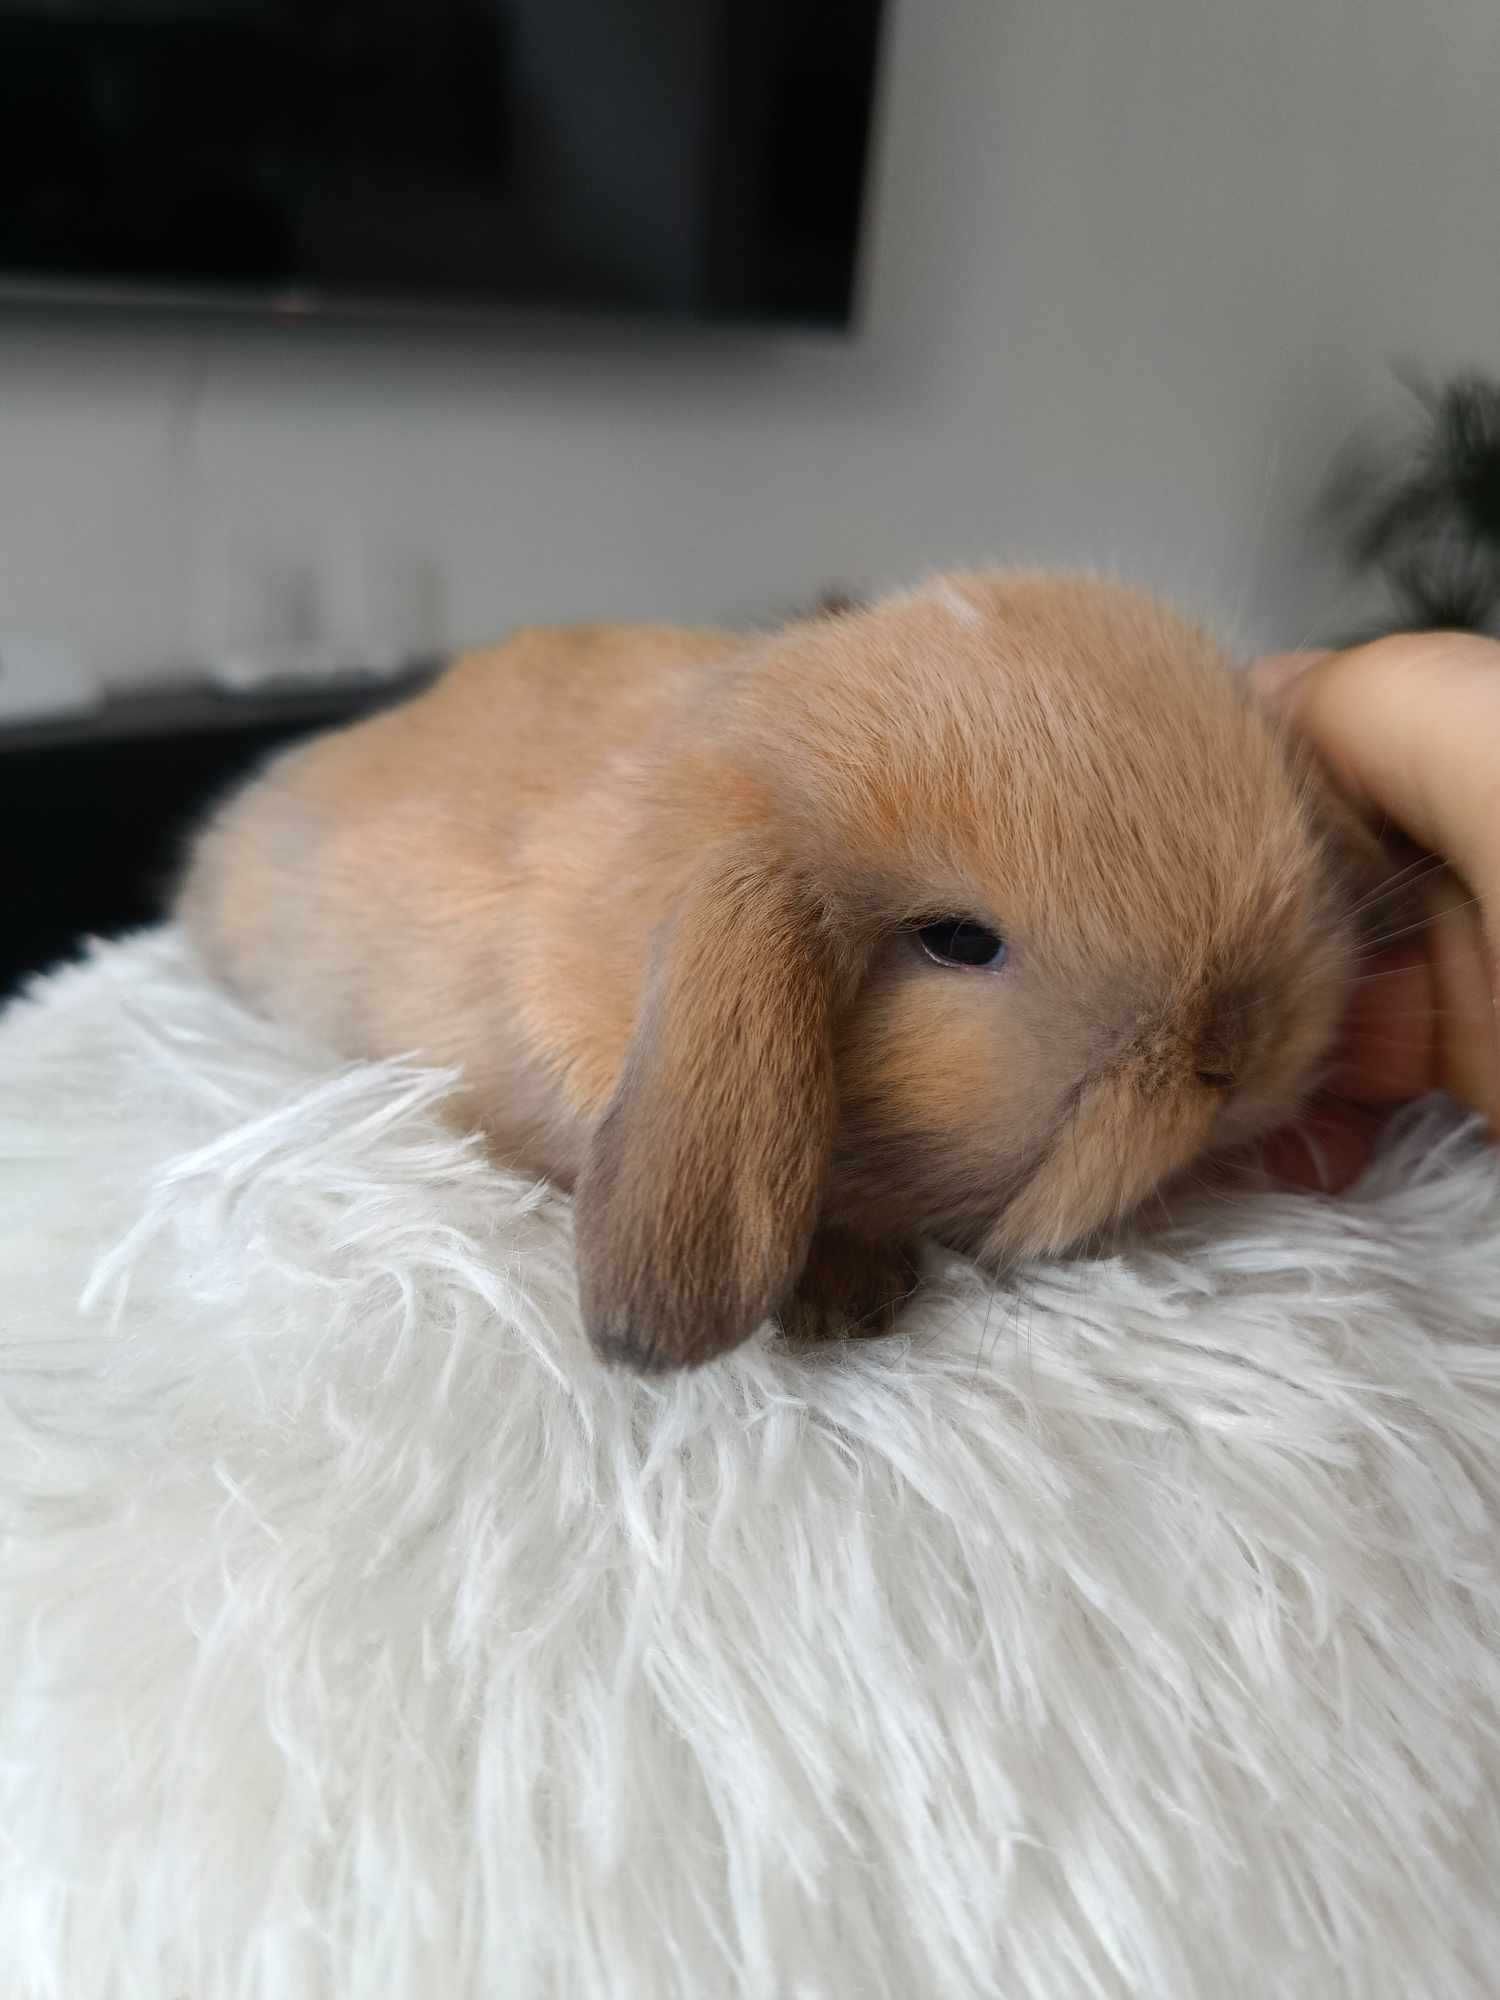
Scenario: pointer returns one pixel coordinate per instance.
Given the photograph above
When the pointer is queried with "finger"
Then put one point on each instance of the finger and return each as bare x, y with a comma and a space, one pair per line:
1327, 1149
1388, 1048
1410, 728
1273, 673
1464, 997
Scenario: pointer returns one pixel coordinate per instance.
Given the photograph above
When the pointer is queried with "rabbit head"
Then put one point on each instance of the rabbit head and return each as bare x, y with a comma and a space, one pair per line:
1006, 903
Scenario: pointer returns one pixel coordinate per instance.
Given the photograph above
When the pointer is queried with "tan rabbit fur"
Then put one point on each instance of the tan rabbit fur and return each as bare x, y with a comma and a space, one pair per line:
656, 892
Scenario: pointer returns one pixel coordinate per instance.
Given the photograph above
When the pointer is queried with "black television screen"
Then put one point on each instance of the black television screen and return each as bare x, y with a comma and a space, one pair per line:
699, 157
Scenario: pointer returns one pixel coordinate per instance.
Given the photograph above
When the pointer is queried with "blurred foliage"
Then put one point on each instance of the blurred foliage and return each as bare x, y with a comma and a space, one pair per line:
1418, 510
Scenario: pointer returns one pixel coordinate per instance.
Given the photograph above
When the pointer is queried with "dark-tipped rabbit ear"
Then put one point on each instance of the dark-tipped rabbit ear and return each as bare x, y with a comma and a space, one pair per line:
698, 1199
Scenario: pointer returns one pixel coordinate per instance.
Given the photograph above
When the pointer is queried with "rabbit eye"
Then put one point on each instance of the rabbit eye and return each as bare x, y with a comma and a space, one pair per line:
961, 941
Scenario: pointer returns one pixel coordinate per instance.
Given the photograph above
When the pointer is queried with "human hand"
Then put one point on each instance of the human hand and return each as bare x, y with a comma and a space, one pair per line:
1408, 728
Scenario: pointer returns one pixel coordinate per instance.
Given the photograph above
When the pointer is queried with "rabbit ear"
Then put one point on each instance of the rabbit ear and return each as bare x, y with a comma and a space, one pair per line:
697, 1202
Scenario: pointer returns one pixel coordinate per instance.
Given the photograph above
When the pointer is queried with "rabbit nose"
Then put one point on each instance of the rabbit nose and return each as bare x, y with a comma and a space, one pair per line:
1221, 1041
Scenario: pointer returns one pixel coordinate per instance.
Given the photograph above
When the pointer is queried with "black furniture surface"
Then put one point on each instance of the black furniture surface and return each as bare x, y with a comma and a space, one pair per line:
94, 809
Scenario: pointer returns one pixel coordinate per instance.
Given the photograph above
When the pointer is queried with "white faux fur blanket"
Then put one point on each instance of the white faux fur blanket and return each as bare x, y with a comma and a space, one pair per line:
1131, 1629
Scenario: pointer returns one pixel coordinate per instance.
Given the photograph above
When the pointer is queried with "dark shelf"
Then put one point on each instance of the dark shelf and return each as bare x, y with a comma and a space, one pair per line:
203, 711
95, 807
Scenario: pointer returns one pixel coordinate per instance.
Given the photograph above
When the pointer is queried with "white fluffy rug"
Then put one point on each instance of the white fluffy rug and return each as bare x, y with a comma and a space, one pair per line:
1131, 1630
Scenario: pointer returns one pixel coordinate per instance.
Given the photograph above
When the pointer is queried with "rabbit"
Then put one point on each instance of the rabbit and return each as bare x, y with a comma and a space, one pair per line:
967, 917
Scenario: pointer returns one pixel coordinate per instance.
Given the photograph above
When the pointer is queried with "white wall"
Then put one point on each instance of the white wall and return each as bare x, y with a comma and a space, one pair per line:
1136, 272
